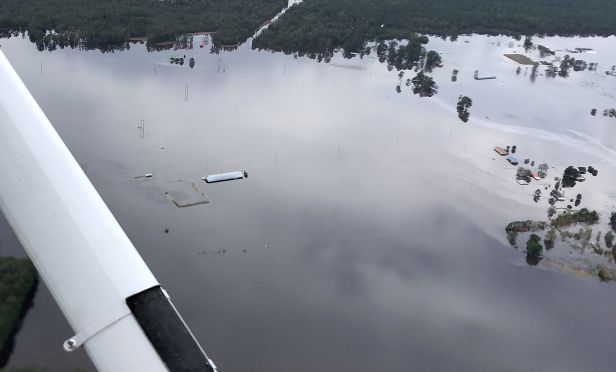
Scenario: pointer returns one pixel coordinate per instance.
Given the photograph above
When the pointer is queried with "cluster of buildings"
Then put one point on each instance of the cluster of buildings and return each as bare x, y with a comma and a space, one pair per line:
524, 175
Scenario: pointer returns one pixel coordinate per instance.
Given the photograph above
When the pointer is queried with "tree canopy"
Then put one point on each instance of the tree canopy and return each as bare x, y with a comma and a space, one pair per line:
424, 85
104, 23
314, 25
433, 59
569, 176
534, 250
582, 216
464, 103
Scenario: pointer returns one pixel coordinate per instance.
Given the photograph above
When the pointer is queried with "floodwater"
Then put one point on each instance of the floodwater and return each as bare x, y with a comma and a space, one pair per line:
370, 232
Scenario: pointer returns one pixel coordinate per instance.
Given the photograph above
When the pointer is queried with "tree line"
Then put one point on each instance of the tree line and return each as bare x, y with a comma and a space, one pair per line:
108, 23
582, 216
316, 25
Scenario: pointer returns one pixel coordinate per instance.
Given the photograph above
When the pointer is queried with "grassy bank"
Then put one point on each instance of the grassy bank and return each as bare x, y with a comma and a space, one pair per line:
18, 279
521, 59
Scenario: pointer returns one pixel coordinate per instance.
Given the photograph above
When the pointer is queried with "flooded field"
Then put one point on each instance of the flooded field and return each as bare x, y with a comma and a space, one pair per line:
370, 233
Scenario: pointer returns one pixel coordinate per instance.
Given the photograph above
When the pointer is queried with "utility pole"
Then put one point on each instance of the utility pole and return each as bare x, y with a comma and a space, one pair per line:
141, 128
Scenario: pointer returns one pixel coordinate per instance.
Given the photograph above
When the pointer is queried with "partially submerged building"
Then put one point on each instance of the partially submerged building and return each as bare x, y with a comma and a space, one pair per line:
229, 176
501, 151
512, 159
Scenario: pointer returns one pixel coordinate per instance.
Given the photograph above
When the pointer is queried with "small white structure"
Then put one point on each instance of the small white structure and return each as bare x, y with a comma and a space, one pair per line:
229, 176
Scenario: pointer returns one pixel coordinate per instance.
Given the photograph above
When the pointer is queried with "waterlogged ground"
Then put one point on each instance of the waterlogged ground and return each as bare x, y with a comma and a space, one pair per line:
370, 232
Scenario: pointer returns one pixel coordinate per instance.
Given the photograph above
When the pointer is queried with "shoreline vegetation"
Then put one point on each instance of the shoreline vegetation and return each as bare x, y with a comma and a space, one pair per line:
18, 282
313, 27
575, 232
109, 25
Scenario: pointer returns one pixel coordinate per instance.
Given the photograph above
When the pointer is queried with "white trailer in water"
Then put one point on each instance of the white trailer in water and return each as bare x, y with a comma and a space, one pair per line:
229, 176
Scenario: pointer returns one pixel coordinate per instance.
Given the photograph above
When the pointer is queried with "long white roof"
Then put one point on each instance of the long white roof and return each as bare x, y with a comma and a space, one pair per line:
224, 177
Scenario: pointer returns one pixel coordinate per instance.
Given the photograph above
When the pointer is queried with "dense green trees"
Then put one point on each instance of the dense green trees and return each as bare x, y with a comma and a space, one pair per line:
315, 25
424, 85
312, 26
408, 56
528, 43
104, 24
569, 176
433, 59
609, 239
534, 250
582, 216
464, 103
18, 279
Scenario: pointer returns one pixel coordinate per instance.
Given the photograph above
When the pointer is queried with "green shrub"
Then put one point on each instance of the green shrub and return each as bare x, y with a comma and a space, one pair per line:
534, 250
